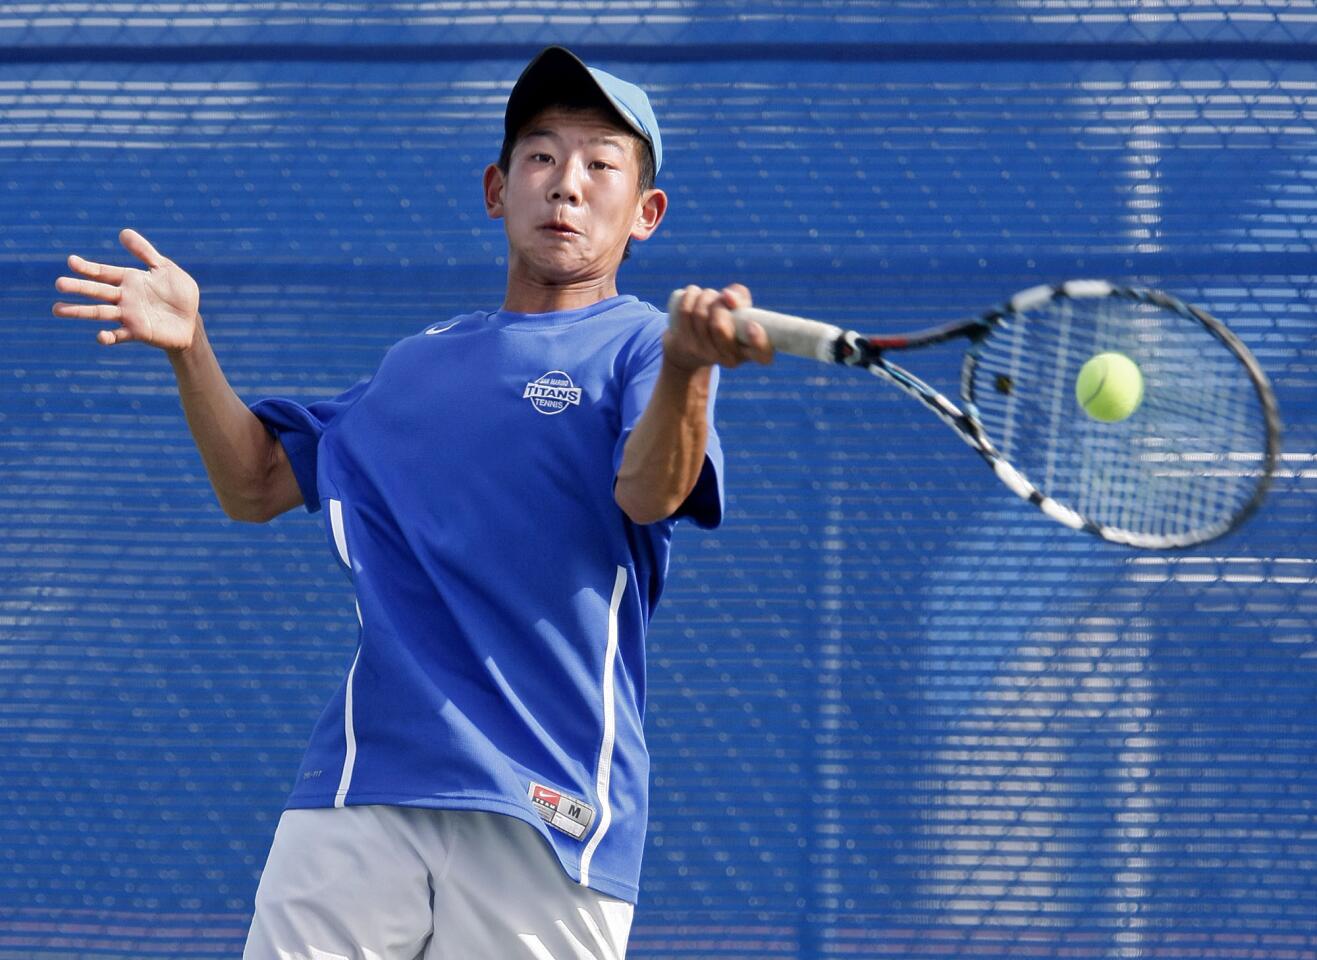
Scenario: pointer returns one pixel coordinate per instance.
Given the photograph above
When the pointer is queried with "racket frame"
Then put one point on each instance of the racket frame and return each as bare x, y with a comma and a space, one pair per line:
827, 343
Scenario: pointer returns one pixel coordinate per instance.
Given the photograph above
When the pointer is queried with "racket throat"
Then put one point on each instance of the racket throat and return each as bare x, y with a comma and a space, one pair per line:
854, 350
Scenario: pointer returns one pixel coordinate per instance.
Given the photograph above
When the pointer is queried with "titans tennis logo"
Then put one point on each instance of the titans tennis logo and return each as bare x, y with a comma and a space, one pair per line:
552, 393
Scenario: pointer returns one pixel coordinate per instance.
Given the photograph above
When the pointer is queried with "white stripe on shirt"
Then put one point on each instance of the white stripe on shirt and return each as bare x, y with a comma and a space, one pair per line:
349, 733
605, 769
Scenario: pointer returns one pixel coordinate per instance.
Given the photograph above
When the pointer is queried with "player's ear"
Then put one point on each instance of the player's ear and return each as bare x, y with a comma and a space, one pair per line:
649, 214
494, 183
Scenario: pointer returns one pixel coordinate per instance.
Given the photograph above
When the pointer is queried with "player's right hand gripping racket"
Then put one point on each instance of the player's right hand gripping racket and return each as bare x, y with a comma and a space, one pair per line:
1190, 464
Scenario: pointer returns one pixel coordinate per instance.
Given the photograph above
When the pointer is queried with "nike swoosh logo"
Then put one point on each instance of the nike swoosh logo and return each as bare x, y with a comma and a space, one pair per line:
442, 329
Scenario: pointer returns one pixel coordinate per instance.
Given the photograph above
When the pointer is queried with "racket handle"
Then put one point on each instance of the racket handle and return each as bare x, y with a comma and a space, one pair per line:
810, 339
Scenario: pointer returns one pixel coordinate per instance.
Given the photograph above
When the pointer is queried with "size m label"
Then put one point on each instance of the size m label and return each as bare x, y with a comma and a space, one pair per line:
568, 814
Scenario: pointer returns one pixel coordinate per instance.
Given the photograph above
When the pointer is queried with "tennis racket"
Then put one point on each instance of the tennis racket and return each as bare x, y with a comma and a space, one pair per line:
1191, 463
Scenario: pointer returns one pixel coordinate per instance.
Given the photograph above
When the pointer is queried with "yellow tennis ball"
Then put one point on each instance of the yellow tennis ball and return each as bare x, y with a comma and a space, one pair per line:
1109, 387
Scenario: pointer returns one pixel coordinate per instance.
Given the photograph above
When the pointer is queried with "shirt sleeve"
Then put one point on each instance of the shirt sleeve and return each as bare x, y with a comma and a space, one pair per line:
299, 429
704, 505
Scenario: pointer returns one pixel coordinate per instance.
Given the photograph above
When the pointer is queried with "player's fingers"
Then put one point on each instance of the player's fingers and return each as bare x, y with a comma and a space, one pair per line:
704, 301
757, 346
89, 288
723, 336
713, 326
684, 321
103, 312
108, 338
688, 298
737, 296
140, 247
701, 302
99, 271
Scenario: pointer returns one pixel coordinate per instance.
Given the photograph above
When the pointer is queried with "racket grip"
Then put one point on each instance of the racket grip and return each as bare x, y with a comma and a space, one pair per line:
810, 339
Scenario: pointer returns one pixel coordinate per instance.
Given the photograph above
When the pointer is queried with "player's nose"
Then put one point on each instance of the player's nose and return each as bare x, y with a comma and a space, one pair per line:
567, 186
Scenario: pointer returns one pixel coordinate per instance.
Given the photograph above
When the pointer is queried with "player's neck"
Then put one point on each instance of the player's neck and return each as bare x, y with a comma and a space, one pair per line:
527, 295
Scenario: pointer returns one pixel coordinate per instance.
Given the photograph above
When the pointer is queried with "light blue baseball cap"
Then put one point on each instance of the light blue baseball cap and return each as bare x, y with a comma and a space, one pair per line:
557, 74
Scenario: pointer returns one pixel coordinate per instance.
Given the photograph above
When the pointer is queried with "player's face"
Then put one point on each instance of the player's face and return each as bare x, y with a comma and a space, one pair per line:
571, 198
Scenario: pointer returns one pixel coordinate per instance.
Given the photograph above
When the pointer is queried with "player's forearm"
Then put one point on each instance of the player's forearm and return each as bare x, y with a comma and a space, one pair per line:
236, 449
665, 452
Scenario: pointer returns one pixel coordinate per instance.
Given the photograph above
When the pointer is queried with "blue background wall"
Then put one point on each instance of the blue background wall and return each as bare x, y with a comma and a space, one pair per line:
894, 712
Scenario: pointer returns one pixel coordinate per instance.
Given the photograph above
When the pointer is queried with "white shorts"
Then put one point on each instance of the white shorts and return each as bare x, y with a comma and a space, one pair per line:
404, 883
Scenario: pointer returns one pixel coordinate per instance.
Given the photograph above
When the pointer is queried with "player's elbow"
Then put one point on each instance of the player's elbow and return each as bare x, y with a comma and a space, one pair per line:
644, 506
258, 499
261, 494
245, 509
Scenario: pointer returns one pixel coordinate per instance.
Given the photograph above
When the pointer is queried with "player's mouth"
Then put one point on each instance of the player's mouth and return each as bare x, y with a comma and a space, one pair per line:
560, 228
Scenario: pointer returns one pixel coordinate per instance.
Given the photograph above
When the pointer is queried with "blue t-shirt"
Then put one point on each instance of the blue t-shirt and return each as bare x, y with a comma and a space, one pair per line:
503, 596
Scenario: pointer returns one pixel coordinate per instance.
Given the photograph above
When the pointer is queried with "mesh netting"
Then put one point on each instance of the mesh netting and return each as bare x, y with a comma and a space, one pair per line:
893, 711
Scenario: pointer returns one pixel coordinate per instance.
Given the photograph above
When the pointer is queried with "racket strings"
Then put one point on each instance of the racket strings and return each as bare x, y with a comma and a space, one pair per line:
1189, 459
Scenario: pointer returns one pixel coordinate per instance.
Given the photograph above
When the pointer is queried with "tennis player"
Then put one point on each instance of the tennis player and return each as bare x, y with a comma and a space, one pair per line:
502, 493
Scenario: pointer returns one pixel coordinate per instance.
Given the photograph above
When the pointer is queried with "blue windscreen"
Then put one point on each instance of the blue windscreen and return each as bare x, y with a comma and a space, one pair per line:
893, 711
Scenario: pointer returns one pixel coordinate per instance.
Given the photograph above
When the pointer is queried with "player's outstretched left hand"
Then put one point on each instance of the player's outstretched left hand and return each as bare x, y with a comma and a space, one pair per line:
156, 306
702, 333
